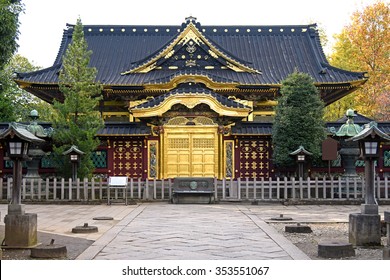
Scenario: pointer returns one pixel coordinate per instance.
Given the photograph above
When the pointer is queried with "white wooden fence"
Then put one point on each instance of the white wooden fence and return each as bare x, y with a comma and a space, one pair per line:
246, 189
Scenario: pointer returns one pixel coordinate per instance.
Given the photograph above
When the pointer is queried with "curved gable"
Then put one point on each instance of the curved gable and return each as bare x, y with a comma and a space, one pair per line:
191, 49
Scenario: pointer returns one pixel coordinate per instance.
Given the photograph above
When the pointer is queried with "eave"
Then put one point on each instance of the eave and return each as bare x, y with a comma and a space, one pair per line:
190, 100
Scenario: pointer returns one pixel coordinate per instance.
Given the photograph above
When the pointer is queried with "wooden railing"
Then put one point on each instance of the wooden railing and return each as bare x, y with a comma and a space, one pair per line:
242, 189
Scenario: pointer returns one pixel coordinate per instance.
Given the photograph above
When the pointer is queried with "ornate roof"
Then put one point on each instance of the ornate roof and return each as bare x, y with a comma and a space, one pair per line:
235, 57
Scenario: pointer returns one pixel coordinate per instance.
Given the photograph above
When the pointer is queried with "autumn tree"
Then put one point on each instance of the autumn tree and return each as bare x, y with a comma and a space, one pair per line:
78, 119
298, 120
364, 45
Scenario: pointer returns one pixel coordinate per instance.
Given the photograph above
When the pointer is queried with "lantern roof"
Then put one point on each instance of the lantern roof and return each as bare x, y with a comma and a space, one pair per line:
73, 150
20, 131
301, 151
370, 129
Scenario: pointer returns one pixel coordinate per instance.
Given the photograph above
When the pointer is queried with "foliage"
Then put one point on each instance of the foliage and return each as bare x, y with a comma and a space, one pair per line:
364, 45
9, 19
20, 101
77, 120
298, 120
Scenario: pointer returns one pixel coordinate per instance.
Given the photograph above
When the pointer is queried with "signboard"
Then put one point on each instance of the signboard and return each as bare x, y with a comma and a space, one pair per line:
329, 149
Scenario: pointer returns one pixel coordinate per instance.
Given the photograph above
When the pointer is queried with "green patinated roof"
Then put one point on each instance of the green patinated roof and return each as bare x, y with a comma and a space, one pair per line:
300, 150
20, 131
349, 128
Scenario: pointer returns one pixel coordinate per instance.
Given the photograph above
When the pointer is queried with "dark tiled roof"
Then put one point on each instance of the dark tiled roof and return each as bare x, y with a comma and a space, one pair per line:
110, 129
196, 91
122, 129
252, 128
261, 128
275, 51
359, 119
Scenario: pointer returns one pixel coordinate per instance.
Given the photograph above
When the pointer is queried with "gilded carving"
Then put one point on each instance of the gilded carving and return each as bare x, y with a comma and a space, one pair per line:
152, 159
229, 158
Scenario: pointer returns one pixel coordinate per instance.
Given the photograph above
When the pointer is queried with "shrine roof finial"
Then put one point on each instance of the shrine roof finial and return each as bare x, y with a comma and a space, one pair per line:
190, 19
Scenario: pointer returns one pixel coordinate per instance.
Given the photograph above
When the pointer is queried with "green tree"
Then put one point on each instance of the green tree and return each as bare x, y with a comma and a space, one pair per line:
22, 101
298, 120
77, 120
364, 45
9, 25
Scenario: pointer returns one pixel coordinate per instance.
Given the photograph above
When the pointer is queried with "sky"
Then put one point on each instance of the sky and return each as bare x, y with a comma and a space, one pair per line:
43, 21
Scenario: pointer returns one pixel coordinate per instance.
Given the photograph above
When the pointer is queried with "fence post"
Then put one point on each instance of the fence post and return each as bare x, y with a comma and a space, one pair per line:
355, 188
146, 194
239, 188
277, 188
331, 188
93, 189
270, 184
78, 188
285, 188
316, 188
247, 187
293, 187
262, 186
215, 189
55, 189
139, 188
101, 188
387, 188
63, 188
154, 188
300, 187
70, 186
31, 189
378, 188
170, 188
308, 185
223, 188
1, 188
85, 188
39, 188
47, 184
131, 187
162, 189
254, 189
340, 188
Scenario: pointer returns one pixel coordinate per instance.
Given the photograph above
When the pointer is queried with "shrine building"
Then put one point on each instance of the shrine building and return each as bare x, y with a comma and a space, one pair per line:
193, 100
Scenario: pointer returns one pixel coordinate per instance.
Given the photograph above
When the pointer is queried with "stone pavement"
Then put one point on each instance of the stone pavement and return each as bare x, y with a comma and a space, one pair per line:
160, 230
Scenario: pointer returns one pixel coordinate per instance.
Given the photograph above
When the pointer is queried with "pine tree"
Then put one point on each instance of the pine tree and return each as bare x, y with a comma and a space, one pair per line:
298, 119
77, 120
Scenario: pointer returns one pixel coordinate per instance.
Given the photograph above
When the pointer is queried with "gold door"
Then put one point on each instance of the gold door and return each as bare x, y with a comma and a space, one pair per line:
190, 151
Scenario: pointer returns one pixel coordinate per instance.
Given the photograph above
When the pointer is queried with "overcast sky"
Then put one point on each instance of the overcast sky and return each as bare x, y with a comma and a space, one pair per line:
43, 22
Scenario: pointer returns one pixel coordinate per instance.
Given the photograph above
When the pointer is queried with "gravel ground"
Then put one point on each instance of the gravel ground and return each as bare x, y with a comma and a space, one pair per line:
308, 242
74, 245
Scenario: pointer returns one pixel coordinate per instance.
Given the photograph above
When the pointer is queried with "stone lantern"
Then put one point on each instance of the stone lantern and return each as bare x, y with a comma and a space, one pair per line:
74, 155
364, 227
20, 227
349, 151
35, 152
301, 157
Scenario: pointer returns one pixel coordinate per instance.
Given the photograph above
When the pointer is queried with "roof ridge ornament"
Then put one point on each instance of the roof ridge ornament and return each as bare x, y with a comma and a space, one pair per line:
190, 19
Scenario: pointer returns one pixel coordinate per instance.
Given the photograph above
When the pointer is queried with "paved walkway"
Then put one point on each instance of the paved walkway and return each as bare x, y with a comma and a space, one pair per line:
185, 232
